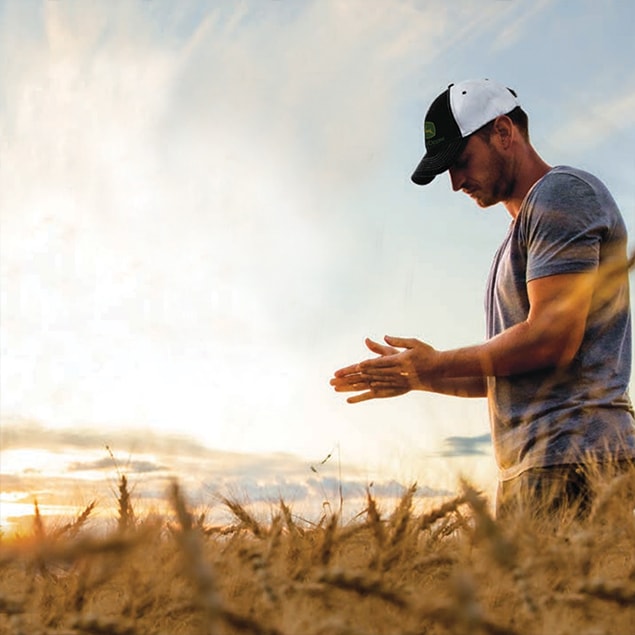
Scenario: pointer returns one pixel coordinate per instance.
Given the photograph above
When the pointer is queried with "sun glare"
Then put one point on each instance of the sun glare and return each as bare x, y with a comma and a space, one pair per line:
17, 513
60, 482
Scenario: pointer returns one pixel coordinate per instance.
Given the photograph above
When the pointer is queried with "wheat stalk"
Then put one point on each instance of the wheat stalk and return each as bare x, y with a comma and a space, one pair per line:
401, 516
427, 520
245, 517
191, 545
124, 505
72, 529
610, 591
328, 539
363, 584
374, 520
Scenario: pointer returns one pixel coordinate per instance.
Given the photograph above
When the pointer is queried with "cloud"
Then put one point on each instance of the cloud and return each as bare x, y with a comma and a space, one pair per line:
257, 491
516, 27
130, 467
592, 124
357, 489
467, 446
55, 489
206, 475
153, 455
126, 445
16, 433
322, 94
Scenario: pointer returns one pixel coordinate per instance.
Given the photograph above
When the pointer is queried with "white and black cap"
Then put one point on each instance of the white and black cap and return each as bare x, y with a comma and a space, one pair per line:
453, 116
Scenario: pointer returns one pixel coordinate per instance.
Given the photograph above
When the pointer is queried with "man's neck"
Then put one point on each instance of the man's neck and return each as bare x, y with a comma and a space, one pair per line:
531, 168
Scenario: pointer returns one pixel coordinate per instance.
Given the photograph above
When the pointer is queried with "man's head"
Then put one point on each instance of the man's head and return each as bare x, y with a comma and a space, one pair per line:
455, 115
484, 169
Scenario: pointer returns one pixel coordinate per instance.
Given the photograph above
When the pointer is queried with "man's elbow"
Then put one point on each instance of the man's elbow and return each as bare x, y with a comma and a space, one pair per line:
559, 352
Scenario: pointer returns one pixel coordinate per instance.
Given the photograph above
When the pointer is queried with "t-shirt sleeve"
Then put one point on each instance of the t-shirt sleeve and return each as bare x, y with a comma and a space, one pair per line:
563, 226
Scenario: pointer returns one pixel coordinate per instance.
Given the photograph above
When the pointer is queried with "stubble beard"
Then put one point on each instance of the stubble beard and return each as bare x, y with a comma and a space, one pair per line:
499, 186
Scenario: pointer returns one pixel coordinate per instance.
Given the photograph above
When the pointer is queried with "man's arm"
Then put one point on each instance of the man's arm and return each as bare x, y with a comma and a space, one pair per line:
549, 337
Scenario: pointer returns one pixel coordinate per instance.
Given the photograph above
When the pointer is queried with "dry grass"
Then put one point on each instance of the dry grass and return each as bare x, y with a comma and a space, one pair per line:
453, 569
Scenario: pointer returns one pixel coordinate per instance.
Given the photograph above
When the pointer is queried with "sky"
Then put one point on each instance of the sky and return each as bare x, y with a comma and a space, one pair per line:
206, 206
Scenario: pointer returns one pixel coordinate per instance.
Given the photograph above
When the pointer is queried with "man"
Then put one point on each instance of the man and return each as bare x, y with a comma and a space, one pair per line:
555, 367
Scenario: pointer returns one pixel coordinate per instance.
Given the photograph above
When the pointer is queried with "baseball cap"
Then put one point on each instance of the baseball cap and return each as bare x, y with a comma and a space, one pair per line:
454, 115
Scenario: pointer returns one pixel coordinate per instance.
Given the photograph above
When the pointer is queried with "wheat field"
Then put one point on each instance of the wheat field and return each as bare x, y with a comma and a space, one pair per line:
451, 569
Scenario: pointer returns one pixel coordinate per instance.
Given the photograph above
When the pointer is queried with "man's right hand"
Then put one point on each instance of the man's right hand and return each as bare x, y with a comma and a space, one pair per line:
351, 379
389, 379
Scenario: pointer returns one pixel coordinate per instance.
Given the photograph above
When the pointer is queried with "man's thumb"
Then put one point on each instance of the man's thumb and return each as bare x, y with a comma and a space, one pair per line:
400, 342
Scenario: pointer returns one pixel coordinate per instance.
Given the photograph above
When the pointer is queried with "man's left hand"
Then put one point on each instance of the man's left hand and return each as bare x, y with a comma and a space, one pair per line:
414, 363
395, 372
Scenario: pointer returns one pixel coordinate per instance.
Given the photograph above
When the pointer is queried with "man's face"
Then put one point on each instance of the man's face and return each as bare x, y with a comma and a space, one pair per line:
482, 172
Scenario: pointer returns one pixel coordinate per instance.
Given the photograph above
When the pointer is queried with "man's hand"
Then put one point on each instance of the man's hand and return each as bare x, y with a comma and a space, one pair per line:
395, 372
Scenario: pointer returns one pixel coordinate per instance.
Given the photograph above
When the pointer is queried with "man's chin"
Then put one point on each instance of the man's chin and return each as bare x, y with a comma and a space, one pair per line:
481, 202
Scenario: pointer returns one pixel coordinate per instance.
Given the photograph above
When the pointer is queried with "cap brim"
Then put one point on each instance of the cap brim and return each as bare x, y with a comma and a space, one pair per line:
434, 164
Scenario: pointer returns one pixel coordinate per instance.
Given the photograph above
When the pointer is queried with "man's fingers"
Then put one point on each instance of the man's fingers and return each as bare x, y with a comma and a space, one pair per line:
364, 382
382, 376
380, 349
375, 347
348, 380
365, 396
350, 386
349, 370
369, 366
366, 366
379, 392
401, 342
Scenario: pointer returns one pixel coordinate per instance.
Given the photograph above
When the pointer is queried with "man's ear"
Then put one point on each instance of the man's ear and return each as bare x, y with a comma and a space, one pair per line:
504, 130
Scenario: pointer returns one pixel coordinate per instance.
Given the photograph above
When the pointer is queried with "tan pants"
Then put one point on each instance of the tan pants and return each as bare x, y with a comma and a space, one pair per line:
557, 491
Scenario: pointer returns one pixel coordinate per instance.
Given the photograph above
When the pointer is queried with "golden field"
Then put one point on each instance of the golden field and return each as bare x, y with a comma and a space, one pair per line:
450, 569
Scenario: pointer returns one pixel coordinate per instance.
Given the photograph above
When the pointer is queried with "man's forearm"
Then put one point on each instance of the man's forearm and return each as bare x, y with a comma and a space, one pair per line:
458, 386
520, 349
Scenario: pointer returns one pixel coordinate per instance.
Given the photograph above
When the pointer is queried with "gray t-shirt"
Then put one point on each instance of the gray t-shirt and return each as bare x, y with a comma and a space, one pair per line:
567, 223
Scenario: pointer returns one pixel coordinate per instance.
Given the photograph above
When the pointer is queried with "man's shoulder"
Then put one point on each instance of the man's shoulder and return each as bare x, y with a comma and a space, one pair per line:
563, 173
565, 184
569, 199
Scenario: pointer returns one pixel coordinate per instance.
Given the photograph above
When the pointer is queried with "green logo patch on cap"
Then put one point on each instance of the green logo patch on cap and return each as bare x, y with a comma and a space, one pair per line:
430, 130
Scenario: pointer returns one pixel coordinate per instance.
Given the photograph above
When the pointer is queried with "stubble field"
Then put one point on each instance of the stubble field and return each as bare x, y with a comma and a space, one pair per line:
451, 569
